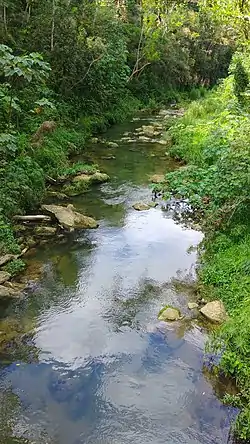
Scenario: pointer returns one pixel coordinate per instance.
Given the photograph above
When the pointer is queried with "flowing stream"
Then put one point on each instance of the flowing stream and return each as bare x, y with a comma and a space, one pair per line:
99, 367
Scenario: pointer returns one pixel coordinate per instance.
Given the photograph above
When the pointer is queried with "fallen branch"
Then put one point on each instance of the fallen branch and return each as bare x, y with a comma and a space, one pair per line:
32, 218
50, 179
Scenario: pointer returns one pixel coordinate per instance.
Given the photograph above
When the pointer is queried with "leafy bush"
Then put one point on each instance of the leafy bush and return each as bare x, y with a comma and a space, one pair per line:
15, 267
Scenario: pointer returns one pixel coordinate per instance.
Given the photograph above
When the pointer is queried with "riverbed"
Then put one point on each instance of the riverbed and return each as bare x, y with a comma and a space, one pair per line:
98, 367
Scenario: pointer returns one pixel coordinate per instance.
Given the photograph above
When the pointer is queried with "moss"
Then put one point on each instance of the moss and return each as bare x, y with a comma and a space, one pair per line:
165, 308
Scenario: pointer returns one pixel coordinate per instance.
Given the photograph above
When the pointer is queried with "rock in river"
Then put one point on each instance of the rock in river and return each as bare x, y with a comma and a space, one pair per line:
141, 206
45, 231
97, 177
57, 195
69, 218
112, 144
192, 305
215, 312
169, 314
157, 178
6, 292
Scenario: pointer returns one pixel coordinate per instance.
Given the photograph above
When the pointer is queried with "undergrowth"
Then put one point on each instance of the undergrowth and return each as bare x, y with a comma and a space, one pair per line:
213, 141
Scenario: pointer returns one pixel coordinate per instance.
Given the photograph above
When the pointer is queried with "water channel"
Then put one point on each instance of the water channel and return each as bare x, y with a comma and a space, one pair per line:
99, 368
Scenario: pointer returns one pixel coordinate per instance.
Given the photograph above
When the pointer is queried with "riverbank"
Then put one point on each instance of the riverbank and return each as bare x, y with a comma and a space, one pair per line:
212, 140
40, 159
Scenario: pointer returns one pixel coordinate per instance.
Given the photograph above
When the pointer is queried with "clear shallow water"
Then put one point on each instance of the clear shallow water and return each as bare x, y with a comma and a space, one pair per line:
101, 368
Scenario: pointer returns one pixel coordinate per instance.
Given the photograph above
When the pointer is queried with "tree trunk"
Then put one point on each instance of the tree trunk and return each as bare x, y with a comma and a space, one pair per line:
52, 26
5, 18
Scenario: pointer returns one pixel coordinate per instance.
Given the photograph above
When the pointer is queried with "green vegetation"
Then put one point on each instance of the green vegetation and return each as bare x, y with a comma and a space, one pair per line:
213, 140
71, 68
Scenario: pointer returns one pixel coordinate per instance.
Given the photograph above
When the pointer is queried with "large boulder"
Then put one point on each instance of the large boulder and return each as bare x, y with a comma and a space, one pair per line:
215, 312
4, 276
6, 258
46, 127
69, 218
6, 292
169, 314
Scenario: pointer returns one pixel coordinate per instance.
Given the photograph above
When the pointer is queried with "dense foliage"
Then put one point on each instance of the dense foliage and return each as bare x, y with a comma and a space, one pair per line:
213, 138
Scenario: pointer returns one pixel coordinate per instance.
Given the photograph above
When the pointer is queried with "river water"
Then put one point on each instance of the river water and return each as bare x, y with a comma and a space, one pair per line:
99, 368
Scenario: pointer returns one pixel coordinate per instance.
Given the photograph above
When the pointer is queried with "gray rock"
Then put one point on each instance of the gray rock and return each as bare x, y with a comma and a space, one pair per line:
69, 218
112, 144
4, 276
169, 314
45, 231
94, 140
6, 292
6, 258
148, 130
192, 305
162, 142
141, 206
108, 157
215, 312
144, 139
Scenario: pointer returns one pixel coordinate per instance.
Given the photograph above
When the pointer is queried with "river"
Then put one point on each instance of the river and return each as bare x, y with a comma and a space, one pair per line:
99, 368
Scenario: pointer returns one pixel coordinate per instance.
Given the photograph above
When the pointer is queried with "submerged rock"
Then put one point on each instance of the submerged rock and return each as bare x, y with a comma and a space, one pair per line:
157, 178
4, 276
69, 218
141, 206
108, 157
45, 231
169, 314
215, 312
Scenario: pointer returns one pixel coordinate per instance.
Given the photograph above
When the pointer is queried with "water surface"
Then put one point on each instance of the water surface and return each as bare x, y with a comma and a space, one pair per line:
99, 368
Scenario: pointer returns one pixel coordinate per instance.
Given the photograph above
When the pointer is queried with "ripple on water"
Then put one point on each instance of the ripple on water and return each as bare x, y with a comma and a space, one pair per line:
108, 372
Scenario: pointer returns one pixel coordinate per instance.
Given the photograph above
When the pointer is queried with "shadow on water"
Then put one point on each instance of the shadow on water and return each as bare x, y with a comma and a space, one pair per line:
97, 367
